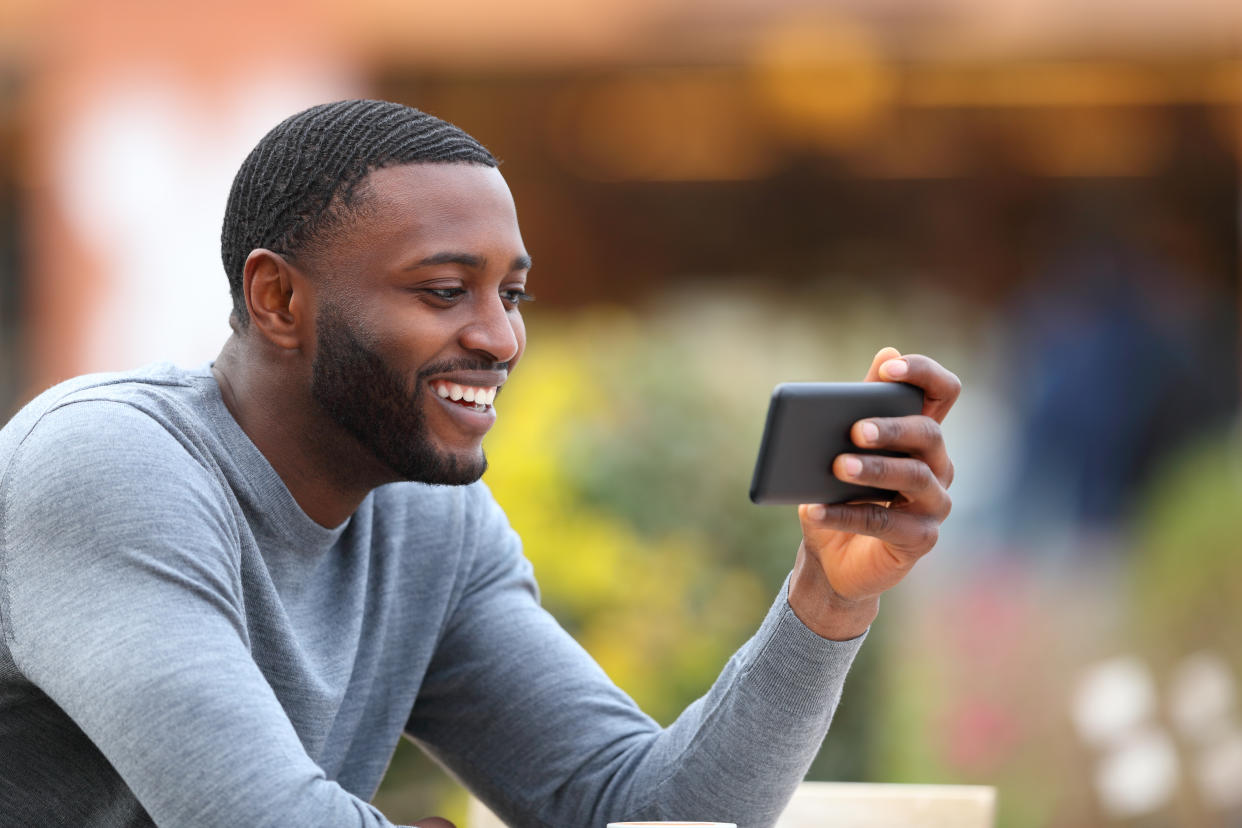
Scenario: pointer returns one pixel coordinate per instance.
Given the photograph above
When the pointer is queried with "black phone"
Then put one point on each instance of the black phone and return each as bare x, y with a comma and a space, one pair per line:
808, 425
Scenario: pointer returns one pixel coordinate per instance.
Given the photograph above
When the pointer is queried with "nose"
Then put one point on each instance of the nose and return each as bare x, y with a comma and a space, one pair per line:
492, 332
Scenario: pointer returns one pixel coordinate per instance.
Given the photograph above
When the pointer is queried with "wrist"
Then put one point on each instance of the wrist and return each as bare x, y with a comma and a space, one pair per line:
821, 608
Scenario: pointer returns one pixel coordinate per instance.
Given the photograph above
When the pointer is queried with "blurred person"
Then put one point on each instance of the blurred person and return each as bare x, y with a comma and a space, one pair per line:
1124, 343
226, 593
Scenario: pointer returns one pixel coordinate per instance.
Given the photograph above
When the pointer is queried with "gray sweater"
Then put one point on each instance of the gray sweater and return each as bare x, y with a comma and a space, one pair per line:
182, 645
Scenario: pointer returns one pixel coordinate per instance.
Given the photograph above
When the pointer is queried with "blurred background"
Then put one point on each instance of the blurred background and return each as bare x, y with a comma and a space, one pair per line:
721, 195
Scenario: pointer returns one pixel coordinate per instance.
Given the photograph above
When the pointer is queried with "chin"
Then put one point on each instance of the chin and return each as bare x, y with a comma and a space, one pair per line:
441, 468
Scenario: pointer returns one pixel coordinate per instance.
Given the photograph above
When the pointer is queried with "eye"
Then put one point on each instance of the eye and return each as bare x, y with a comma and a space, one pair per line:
516, 296
446, 294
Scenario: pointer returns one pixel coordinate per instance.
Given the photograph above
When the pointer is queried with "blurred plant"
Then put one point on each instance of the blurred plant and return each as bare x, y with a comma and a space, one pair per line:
653, 601
1187, 573
967, 694
1186, 604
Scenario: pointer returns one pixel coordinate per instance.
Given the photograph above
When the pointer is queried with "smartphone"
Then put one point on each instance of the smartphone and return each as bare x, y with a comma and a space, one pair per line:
808, 425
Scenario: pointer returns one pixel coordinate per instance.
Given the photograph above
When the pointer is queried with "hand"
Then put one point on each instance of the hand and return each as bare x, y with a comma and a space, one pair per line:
851, 553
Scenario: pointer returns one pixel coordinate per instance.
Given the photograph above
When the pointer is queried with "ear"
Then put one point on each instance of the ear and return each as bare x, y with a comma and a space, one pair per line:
274, 296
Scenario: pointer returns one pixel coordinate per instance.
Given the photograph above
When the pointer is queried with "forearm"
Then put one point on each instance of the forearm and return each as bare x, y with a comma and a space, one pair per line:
524, 716
737, 754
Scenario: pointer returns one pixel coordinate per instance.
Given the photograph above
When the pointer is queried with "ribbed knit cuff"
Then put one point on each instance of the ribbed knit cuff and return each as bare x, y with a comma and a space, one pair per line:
794, 666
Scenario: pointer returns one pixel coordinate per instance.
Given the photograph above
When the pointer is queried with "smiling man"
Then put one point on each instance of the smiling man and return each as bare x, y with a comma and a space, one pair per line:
376, 347
225, 594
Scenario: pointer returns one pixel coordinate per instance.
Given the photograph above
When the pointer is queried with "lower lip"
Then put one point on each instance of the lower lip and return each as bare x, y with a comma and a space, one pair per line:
468, 418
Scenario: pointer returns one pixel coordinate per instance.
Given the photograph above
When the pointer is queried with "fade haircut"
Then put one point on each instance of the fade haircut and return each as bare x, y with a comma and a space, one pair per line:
300, 183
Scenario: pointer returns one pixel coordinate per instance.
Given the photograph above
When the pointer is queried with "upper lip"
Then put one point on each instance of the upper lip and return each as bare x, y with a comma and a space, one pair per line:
474, 379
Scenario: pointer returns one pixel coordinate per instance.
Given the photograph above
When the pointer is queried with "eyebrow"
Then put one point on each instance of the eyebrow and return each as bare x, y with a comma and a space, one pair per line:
466, 259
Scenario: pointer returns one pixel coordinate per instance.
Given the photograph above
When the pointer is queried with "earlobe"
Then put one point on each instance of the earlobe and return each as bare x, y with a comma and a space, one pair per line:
270, 283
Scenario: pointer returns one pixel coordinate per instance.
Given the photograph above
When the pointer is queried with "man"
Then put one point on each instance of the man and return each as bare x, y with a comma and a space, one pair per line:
226, 593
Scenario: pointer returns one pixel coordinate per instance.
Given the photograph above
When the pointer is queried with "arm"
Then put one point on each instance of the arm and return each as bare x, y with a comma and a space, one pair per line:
121, 601
524, 716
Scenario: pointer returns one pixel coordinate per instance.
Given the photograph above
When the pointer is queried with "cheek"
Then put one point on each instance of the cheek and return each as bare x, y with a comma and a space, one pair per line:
416, 339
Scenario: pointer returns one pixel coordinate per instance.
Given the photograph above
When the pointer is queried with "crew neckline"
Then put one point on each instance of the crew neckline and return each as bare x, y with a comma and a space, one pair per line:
283, 508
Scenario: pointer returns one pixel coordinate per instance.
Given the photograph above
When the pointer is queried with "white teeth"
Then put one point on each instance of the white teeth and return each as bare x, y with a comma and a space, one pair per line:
453, 391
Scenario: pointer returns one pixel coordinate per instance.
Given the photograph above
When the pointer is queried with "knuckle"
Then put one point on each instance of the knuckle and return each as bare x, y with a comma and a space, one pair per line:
929, 431
955, 384
925, 478
949, 475
876, 520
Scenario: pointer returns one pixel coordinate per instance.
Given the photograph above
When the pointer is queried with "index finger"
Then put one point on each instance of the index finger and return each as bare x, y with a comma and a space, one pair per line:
941, 387
888, 352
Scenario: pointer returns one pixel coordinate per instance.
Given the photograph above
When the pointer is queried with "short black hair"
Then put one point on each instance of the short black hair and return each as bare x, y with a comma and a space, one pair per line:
300, 181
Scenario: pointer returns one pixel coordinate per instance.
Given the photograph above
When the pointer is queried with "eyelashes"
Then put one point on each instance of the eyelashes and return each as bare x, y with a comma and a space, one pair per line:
516, 297
450, 296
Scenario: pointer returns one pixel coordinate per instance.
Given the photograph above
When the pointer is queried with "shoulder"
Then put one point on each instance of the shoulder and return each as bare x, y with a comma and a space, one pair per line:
99, 486
99, 443
149, 379
152, 387
100, 414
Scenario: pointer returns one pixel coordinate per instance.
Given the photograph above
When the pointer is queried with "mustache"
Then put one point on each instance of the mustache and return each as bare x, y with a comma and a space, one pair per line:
450, 365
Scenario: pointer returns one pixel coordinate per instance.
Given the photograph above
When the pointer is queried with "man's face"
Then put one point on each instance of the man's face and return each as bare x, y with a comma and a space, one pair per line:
415, 306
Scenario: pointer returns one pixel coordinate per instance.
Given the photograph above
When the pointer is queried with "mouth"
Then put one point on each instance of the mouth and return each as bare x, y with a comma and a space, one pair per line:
471, 397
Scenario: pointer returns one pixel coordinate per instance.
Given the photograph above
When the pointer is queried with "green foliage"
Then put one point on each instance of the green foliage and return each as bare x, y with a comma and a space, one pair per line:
1187, 576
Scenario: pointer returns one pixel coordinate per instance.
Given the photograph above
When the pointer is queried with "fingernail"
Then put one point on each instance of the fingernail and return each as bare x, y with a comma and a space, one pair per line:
895, 368
817, 512
870, 433
852, 466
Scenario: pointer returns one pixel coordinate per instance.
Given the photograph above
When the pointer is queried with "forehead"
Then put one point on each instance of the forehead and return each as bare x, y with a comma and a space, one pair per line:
457, 205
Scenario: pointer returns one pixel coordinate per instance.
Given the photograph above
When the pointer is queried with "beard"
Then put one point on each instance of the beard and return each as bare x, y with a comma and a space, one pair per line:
365, 396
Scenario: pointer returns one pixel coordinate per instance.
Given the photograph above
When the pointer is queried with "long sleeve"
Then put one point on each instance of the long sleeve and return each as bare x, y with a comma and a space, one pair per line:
121, 600
527, 719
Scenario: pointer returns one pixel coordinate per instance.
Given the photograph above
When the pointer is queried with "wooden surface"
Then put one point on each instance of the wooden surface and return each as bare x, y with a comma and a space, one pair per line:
859, 805
865, 805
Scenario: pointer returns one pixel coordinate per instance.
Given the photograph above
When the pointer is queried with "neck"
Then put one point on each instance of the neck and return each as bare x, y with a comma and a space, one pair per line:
326, 469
